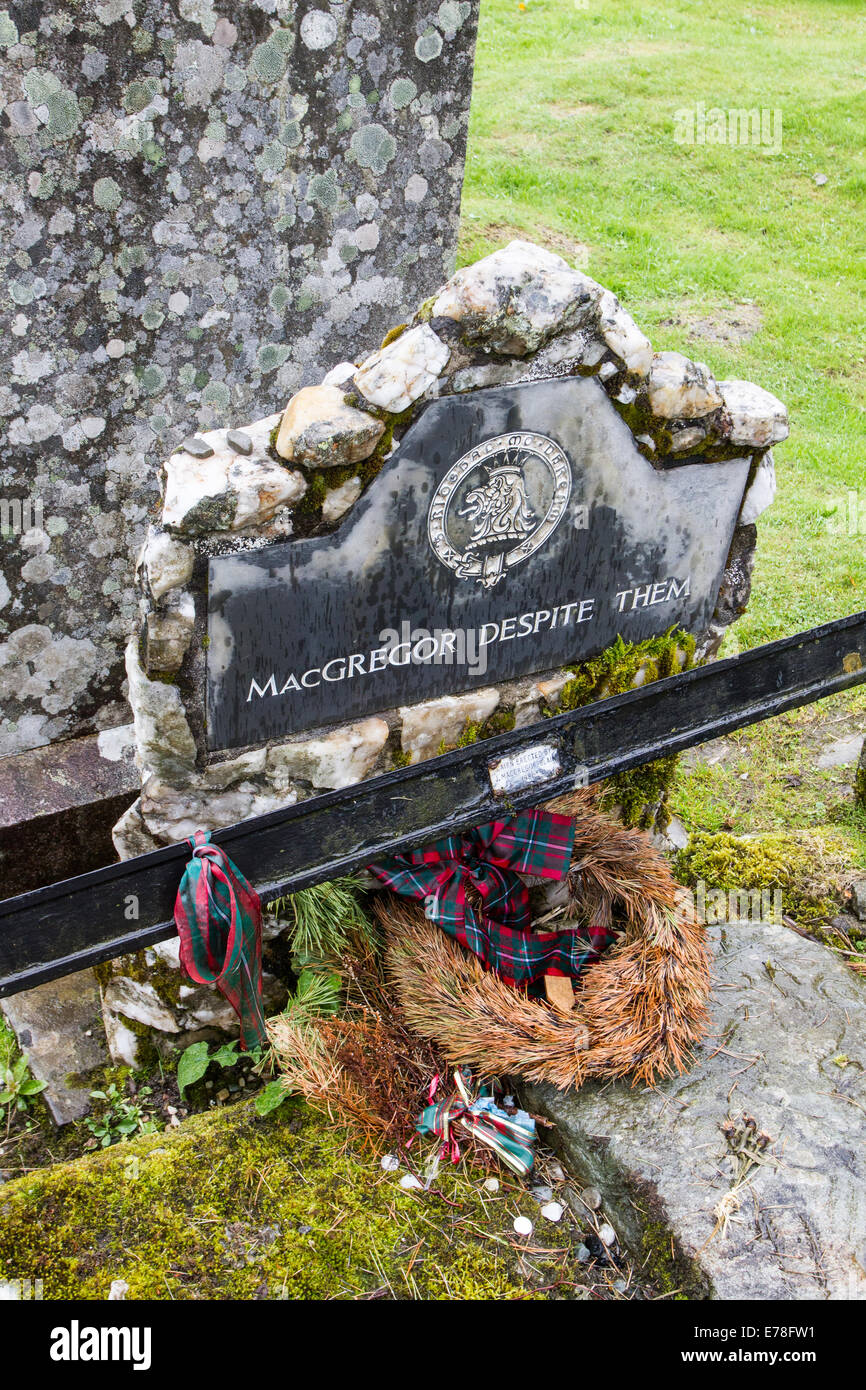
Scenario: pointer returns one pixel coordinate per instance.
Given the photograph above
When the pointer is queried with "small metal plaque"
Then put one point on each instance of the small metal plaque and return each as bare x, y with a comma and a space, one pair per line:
529, 768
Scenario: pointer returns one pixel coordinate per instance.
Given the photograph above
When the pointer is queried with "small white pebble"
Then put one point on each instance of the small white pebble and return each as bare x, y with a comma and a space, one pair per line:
390, 1162
491, 1184
607, 1235
552, 1211
523, 1225
409, 1182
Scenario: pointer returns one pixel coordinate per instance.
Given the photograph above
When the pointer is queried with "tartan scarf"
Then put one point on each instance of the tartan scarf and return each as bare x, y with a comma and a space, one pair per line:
490, 858
510, 1137
219, 921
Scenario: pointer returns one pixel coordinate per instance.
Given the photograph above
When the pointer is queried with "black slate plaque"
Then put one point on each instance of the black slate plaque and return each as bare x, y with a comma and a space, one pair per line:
513, 530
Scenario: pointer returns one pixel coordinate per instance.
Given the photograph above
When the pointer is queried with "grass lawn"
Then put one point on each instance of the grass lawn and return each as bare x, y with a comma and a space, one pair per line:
572, 145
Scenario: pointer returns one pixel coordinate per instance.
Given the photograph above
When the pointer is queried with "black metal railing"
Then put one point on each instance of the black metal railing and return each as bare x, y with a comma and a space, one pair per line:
81, 921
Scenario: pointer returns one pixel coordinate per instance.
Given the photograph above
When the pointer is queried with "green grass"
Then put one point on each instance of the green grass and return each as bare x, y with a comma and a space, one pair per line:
571, 144
769, 781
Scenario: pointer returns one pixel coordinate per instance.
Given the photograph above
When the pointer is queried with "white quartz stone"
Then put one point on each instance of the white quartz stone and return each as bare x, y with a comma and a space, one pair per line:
168, 633
582, 348
340, 499
623, 337
552, 688
398, 374
426, 726
487, 374
339, 375
228, 491
757, 417
165, 563
680, 389
339, 759
162, 735
517, 298
761, 491
131, 836
139, 1001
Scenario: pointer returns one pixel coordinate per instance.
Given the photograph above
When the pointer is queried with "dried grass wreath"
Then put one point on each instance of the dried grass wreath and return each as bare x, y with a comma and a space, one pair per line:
640, 1010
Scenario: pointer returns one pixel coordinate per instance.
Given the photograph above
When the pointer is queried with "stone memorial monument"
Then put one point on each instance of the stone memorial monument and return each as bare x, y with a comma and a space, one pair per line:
205, 207
427, 547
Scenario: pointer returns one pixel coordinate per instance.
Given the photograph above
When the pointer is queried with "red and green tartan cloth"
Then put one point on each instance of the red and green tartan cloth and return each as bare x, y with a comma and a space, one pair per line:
490, 858
509, 1136
219, 921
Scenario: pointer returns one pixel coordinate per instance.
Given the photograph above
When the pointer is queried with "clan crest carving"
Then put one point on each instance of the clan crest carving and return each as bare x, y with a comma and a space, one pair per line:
498, 504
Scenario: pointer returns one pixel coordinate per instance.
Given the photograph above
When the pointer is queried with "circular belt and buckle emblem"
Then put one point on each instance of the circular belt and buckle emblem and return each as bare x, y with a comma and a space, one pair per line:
498, 504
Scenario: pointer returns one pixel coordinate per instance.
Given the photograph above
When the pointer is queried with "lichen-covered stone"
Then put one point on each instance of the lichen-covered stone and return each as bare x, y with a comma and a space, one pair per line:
736, 585
757, 417
339, 759
205, 206
319, 430
54, 1025
400, 373
425, 727
517, 298
680, 389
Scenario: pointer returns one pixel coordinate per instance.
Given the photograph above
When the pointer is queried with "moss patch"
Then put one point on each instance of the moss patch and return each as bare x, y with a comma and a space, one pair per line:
808, 869
641, 793
501, 721
231, 1205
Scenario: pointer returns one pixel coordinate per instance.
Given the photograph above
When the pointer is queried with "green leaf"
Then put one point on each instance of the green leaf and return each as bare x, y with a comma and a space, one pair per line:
270, 1097
192, 1065
227, 1055
32, 1088
6, 1097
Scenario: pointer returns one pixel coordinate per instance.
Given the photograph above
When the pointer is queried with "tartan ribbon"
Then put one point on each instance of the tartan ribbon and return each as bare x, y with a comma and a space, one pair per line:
219, 921
490, 858
509, 1136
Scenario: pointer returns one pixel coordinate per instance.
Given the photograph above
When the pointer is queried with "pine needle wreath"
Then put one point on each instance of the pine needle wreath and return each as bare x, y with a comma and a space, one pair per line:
640, 1010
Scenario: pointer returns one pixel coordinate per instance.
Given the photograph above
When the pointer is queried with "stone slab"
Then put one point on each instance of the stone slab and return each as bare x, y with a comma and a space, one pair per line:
58, 806
524, 520
59, 1027
788, 1047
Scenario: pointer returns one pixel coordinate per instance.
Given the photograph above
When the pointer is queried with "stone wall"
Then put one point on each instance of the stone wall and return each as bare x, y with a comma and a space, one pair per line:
204, 207
519, 315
